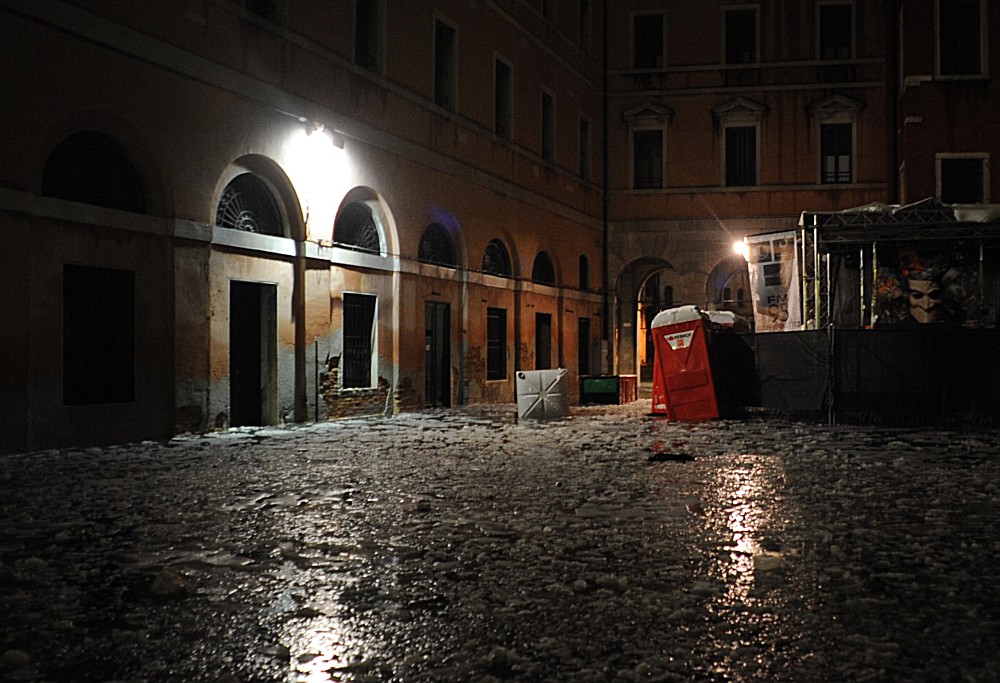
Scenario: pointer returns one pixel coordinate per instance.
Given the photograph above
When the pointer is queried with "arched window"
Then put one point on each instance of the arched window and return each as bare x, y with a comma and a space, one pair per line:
92, 168
496, 260
248, 204
436, 246
355, 229
543, 272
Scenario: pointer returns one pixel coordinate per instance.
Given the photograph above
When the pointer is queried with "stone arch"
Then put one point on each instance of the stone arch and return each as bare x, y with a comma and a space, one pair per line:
362, 211
502, 235
443, 227
543, 269
255, 172
728, 287
497, 260
126, 137
437, 247
93, 168
635, 305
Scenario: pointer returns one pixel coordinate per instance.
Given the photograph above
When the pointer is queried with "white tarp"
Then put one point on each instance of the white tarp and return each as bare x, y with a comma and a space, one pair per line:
541, 393
724, 318
672, 316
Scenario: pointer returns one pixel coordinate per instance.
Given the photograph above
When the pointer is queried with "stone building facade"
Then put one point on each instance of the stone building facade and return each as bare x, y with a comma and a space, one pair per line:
231, 212
219, 213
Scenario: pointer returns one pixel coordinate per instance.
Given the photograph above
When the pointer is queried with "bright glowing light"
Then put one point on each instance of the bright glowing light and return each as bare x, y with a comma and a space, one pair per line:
740, 247
320, 172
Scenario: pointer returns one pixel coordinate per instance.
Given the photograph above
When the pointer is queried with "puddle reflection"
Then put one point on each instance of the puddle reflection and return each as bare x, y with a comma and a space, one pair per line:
326, 649
742, 490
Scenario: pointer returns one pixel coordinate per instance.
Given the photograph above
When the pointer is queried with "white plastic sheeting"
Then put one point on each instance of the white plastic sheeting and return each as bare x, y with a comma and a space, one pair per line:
672, 316
541, 393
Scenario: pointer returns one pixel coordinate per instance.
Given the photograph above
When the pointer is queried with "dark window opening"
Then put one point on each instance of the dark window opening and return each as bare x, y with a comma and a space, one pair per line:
960, 37
503, 100
247, 204
585, 29
835, 32
548, 127
584, 272
92, 168
835, 152
444, 65
496, 343
668, 296
368, 34
263, 8
543, 341
585, 149
583, 346
496, 260
98, 335
543, 272
647, 32
549, 9
962, 181
647, 159
436, 247
741, 156
741, 36
355, 229
359, 325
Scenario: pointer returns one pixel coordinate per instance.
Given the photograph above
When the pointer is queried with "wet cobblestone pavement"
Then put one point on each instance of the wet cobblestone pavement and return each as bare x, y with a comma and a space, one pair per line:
465, 546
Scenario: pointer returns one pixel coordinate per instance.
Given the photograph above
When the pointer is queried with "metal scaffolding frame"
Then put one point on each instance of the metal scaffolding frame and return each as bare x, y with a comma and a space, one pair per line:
824, 235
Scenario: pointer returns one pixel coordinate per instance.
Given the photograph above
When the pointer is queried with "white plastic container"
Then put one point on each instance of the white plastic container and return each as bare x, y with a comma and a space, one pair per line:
541, 393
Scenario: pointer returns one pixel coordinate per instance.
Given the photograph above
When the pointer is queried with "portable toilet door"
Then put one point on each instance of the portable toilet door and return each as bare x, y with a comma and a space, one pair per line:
683, 388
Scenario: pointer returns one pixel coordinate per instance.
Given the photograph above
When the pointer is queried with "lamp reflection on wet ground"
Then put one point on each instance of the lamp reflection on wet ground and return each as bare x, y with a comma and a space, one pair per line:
736, 514
322, 649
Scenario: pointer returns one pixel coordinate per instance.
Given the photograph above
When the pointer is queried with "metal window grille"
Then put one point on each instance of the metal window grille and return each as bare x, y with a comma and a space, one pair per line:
248, 205
436, 246
355, 229
496, 260
359, 319
496, 343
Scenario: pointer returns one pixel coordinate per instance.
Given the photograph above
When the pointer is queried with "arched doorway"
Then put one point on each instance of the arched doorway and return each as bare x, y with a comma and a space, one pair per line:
728, 288
644, 288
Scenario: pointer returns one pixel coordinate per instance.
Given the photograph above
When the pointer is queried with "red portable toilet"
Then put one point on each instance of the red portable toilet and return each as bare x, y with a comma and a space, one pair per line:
683, 388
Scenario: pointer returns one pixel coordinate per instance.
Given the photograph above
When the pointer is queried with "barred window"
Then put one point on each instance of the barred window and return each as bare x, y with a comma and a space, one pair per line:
247, 204
436, 246
359, 327
496, 260
496, 343
355, 229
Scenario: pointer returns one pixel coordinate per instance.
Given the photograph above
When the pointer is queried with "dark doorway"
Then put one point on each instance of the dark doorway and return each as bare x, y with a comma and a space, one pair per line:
583, 346
543, 341
252, 353
437, 354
